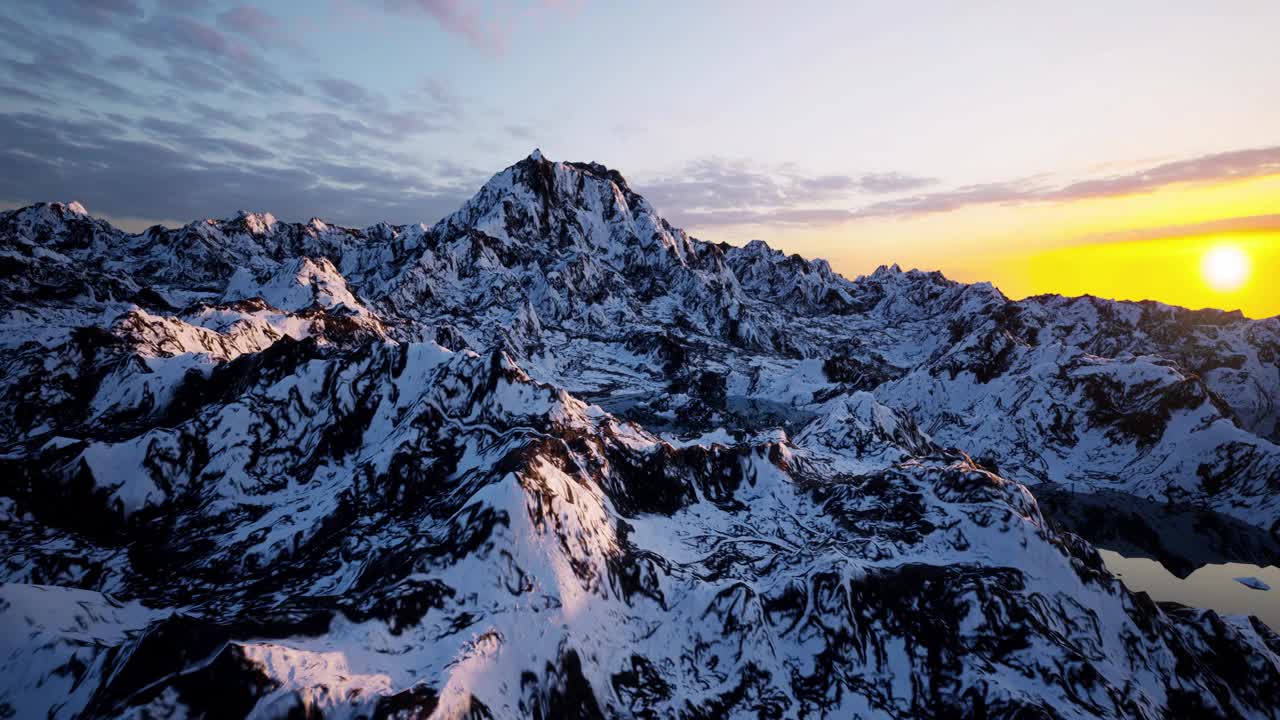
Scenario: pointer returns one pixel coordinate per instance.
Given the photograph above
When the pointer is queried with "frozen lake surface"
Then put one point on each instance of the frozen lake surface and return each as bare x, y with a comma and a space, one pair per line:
1184, 555
1211, 586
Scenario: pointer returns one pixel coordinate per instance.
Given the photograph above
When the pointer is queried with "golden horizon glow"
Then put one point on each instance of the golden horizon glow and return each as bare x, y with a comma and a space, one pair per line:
1134, 247
1209, 271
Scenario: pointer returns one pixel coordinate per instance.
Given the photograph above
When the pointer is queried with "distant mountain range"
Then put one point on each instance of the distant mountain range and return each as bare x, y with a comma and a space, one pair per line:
553, 457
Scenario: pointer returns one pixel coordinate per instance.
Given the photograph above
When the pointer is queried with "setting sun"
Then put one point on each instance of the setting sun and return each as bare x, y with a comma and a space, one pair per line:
1225, 268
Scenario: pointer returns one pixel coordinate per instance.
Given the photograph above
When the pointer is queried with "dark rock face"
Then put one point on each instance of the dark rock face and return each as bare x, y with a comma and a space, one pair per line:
255, 468
1181, 539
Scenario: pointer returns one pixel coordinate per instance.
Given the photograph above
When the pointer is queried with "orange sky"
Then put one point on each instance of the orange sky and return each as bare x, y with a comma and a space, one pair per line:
1136, 247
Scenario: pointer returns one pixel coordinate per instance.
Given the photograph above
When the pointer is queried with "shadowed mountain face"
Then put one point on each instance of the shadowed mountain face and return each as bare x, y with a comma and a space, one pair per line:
554, 457
1181, 539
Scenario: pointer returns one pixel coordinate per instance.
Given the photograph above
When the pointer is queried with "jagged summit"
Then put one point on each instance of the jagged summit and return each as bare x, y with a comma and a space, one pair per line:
256, 223
588, 200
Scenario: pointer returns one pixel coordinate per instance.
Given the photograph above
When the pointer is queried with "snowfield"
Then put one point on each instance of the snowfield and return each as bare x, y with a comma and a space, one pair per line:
553, 457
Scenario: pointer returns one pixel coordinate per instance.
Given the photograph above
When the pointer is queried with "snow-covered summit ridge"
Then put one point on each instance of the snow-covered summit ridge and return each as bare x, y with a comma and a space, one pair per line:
558, 249
553, 456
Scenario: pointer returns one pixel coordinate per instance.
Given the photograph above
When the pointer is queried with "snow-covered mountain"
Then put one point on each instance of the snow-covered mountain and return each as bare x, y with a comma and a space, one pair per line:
554, 457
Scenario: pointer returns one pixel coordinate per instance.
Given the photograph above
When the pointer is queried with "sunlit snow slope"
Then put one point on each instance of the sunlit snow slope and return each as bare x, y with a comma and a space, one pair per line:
552, 457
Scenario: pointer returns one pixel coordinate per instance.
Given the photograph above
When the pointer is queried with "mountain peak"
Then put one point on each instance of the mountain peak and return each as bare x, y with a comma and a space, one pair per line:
368, 457
256, 223
536, 155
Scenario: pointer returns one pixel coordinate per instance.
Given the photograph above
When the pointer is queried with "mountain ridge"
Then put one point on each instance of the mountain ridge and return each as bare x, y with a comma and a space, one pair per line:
552, 456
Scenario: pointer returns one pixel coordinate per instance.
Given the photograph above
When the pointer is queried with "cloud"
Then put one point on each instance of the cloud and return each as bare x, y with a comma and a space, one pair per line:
198, 55
892, 182
188, 53
438, 97
948, 200
193, 116
331, 128
345, 91
48, 60
215, 116
779, 217
195, 74
715, 184
520, 132
487, 30
181, 172
253, 22
51, 72
175, 32
188, 137
187, 6
715, 191
720, 192
13, 91
126, 63
94, 13
459, 17
39, 44
1214, 167
1236, 225
210, 94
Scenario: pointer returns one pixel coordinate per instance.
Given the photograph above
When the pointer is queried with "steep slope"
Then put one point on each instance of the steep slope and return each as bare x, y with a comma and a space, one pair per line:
446, 534
552, 456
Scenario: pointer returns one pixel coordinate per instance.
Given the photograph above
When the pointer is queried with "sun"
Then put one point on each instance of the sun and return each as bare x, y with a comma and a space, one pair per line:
1225, 268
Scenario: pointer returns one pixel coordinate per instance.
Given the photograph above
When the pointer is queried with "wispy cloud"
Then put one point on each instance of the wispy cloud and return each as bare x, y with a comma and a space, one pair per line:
180, 171
43, 59
20, 93
780, 217
521, 132
892, 182
460, 17
1226, 226
716, 191
95, 13
217, 83
954, 199
485, 26
182, 51
346, 91
176, 32
253, 22
198, 144
1210, 168
1215, 167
